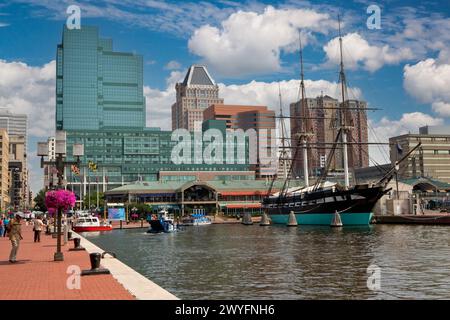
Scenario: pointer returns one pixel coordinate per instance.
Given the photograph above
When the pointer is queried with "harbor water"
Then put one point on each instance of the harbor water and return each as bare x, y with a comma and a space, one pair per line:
277, 262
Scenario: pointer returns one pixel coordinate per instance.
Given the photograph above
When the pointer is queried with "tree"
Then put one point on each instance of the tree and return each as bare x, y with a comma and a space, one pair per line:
93, 200
39, 200
142, 209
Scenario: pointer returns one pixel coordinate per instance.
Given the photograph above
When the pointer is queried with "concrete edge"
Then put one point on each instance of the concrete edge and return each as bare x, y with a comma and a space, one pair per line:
138, 285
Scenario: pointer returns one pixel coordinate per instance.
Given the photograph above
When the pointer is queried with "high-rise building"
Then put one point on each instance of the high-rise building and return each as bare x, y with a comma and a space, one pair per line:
4, 170
97, 87
50, 178
259, 118
15, 124
17, 127
196, 93
99, 103
324, 114
431, 160
19, 187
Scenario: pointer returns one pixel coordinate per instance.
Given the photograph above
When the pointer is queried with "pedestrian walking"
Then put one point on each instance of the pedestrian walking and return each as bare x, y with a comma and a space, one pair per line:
2, 225
5, 224
38, 224
15, 236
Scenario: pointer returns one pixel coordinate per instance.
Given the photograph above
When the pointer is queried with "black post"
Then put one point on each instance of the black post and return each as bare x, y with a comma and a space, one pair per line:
59, 256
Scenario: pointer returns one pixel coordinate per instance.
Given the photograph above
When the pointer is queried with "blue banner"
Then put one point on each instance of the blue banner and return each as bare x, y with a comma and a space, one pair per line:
116, 213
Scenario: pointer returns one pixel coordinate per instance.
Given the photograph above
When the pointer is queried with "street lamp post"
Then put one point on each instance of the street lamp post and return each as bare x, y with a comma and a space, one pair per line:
60, 163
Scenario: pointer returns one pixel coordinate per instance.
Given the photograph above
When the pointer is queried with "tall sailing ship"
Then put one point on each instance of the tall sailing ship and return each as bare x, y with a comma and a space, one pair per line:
325, 201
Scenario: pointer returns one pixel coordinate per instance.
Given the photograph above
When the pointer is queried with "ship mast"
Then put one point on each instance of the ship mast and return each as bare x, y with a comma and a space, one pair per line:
305, 132
345, 129
283, 154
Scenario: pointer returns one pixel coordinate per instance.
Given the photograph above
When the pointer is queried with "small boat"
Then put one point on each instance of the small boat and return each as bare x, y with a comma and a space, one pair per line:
89, 224
196, 219
163, 222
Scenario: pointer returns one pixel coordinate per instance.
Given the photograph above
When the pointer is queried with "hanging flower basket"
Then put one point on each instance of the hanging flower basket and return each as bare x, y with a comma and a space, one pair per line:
60, 199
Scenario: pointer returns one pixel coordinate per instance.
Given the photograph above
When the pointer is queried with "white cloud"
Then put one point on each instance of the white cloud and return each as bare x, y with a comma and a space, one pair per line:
173, 65
251, 43
358, 52
428, 81
30, 90
386, 128
263, 93
441, 108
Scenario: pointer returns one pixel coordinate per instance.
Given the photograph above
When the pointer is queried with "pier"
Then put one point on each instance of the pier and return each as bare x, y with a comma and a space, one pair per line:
36, 276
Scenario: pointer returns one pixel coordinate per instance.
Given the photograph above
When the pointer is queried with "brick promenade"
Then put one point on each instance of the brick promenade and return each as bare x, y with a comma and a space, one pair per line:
37, 276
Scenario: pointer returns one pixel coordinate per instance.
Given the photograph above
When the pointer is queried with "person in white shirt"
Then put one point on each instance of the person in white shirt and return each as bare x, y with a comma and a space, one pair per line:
37, 227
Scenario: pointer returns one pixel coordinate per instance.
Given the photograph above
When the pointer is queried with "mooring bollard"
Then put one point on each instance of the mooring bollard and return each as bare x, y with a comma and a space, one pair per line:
77, 245
95, 259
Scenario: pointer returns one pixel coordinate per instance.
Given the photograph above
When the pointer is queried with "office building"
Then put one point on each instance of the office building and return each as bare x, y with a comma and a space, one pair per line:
196, 93
4, 170
19, 187
17, 127
431, 160
259, 118
99, 103
15, 124
323, 117
97, 87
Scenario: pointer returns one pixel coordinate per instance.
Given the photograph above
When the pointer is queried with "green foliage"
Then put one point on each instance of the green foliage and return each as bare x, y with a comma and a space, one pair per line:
93, 198
39, 201
142, 209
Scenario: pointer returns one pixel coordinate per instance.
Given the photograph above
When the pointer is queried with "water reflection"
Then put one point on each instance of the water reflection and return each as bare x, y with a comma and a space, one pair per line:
276, 262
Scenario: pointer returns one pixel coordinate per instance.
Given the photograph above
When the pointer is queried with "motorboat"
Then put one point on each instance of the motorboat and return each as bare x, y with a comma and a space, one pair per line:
162, 222
196, 219
89, 224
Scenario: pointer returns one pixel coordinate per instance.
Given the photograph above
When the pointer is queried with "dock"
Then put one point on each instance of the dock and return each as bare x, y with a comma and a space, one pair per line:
35, 276
428, 219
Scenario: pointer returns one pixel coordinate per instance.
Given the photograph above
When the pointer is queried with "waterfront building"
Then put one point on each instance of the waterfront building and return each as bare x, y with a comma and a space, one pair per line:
124, 157
245, 117
97, 87
229, 197
324, 113
196, 93
431, 160
4, 170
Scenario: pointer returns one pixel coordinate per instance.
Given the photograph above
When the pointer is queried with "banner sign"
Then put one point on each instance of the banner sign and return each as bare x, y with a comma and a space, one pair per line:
116, 213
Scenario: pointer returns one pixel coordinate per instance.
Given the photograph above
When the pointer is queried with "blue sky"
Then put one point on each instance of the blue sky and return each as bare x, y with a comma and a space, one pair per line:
249, 47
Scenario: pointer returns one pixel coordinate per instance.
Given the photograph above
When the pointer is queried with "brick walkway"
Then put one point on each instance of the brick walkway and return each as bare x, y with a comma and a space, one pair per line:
37, 276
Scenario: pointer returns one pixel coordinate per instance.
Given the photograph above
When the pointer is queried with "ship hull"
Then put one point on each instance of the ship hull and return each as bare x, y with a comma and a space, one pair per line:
318, 208
325, 219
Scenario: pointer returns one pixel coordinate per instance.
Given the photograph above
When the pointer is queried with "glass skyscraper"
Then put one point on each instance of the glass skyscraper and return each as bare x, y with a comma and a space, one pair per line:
100, 103
96, 87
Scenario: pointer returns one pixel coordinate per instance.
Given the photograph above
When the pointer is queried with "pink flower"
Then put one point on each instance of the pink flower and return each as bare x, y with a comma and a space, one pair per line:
60, 199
